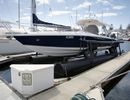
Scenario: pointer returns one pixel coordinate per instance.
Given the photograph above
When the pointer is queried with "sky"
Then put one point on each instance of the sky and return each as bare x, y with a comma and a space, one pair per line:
68, 12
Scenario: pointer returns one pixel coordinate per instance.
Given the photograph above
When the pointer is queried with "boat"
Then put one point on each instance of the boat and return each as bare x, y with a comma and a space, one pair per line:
63, 42
9, 45
12, 47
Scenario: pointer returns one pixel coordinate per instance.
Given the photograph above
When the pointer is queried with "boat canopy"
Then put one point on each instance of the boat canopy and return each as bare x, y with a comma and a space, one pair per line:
86, 22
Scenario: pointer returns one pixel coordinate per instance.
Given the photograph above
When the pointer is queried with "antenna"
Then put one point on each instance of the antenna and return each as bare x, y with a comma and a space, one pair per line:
102, 16
89, 8
76, 16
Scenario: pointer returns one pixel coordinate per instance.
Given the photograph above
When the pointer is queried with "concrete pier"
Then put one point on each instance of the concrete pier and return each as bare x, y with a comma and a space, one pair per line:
6, 93
80, 83
84, 81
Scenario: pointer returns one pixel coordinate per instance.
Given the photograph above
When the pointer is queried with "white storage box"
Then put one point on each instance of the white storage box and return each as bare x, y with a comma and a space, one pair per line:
29, 79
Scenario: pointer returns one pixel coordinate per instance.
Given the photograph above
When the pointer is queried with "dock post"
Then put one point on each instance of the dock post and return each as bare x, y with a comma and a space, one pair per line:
120, 50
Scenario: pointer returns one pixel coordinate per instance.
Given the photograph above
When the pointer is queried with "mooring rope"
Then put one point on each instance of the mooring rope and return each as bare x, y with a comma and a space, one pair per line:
111, 78
99, 84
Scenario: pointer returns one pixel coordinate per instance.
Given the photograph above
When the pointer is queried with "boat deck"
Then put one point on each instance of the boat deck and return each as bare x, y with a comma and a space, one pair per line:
80, 83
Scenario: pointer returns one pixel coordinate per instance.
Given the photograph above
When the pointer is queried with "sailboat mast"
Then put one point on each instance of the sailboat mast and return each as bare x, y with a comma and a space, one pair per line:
89, 7
19, 14
33, 11
76, 16
102, 16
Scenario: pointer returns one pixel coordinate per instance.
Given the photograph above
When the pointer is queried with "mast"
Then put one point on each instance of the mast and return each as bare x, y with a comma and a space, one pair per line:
33, 11
89, 8
76, 16
102, 16
19, 14
35, 21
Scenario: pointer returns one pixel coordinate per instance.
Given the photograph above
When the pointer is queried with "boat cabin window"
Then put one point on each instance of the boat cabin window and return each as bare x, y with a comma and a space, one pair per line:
92, 29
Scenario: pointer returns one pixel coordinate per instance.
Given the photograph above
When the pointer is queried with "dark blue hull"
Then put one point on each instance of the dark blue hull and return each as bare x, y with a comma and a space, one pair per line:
64, 44
64, 41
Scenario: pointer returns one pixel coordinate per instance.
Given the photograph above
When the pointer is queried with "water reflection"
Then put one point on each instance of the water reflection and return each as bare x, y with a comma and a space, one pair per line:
121, 91
5, 72
125, 46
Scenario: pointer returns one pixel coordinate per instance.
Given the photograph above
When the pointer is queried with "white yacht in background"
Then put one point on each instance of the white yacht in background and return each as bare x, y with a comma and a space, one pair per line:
9, 45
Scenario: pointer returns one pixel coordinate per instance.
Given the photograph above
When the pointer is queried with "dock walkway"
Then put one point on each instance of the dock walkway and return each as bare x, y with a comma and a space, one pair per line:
84, 81
81, 83
6, 93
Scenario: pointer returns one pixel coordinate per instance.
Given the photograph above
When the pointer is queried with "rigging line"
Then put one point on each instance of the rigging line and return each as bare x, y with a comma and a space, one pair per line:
69, 15
111, 78
72, 19
43, 10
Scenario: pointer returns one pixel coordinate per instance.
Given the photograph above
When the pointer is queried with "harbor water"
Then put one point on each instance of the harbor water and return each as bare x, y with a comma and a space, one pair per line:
125, 46
5, 72
121, 91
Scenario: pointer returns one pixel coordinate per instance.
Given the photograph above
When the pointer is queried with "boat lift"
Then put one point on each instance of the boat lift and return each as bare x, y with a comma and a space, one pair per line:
92, 49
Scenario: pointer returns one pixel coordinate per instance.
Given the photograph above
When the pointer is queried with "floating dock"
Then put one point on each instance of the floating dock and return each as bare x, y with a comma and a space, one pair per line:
9, 58
4, 59
80, 83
